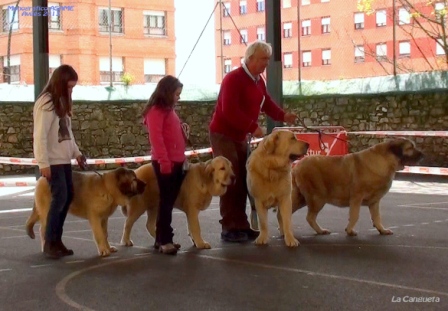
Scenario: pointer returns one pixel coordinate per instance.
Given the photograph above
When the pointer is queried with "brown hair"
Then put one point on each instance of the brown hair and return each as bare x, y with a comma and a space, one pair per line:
57, 87
163, 96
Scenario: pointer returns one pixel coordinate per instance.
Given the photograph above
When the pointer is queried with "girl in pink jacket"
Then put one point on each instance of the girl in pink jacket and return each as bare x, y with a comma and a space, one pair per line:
167, 141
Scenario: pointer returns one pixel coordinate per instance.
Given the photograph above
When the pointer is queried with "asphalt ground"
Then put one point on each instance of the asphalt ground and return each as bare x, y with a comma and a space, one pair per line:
404, 271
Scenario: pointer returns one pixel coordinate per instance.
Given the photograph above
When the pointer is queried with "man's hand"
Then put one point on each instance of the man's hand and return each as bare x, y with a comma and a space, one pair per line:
258, 133
290, 118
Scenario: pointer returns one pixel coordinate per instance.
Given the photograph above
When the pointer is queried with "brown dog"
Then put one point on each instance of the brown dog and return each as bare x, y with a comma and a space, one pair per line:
96, 198
202, 182
352, 180
269, 180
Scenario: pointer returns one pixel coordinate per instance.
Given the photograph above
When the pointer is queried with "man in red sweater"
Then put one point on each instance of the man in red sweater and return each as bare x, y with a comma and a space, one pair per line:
242, 97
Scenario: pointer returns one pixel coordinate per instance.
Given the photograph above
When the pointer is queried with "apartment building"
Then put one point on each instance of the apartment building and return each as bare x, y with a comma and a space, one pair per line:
141, 38
330, 39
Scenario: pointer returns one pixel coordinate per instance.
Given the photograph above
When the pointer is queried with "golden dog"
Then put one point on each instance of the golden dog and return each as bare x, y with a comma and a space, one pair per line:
202, 182
96, 198
269, 180
352, 180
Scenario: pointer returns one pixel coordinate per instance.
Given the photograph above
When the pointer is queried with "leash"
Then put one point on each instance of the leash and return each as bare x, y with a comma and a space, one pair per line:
320, 133
253, 211
85, 167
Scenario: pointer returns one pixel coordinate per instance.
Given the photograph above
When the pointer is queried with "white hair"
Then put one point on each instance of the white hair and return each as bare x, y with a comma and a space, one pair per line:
255, 46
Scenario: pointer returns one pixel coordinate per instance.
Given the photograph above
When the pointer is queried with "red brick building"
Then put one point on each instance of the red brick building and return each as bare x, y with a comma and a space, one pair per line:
330, 40
142, 32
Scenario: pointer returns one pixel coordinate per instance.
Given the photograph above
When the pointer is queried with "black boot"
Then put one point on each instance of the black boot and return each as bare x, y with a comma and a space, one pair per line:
64, 250
51, 250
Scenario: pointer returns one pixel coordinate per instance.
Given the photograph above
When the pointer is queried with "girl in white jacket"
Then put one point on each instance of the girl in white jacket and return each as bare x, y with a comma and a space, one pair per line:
54, 146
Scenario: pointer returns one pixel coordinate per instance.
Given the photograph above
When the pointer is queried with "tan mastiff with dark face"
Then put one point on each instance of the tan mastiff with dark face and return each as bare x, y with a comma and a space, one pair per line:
96, 198
269, 180
202, 182
353, 180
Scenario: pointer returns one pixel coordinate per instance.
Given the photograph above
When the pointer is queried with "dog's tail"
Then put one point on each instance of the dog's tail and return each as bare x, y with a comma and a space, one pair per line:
124, 210
298, 200
32, 219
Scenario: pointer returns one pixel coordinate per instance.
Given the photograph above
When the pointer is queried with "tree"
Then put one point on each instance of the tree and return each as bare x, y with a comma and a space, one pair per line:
416, 19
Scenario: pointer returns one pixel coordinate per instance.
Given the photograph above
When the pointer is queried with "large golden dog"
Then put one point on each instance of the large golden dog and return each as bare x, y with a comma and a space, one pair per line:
352, 180
96, 198
269, 180
202, 182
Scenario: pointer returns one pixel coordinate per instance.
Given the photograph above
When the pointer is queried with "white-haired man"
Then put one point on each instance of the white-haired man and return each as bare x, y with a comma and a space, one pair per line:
241, 98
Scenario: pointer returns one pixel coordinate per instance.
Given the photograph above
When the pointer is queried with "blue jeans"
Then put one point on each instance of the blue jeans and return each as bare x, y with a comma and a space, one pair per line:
61, 186
169, 187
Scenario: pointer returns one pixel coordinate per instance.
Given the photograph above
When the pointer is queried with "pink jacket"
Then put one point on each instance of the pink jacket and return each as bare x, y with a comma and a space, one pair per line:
165, 137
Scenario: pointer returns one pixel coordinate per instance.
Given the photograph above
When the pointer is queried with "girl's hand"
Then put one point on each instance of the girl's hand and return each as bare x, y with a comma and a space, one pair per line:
46, 172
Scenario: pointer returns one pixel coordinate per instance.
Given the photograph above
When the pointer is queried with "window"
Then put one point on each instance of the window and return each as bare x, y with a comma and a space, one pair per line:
226, 9
243, 7
359, 20
287, 60
13, 72
287, 30
227, 38
116, 22
326, 57
154, 69
243, 36
325, 22
439, 10
260, 5
306, 27
381, 51
286, 4
117, 69
439, 47
227, 65
54, 61
404, 17
54, 16
154, 23
404, 48
306, 59
381, 18
306, 2
260, 33
10, 18
359, 54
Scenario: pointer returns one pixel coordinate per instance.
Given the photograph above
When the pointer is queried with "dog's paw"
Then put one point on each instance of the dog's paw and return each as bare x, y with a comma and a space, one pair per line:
127, 243
104, 253
202, 245
113, 249
324, 232
351, 232
386, 232
292, 242
261, 240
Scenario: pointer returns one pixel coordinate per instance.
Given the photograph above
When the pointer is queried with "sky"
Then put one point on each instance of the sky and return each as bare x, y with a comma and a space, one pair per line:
191, 18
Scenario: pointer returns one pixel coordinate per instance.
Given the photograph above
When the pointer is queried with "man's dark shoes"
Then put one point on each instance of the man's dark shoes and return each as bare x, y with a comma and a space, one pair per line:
64, 250
234, 236
157, 245
51, 250
251, 234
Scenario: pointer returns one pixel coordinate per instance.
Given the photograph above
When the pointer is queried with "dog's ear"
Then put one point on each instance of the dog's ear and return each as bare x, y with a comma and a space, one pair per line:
270, 143
209, 169
396, 147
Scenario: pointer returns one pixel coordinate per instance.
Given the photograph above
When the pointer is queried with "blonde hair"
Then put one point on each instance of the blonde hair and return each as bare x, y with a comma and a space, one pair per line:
255, 46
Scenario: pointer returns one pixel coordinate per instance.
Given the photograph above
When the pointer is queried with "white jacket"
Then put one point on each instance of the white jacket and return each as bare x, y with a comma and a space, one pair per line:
53, 140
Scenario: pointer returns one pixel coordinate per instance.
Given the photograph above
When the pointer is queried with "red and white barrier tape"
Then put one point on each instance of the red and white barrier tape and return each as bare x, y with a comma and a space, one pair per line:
23, 183
403, 133
425, 170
